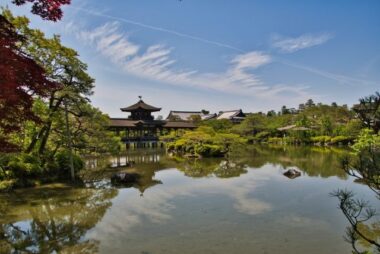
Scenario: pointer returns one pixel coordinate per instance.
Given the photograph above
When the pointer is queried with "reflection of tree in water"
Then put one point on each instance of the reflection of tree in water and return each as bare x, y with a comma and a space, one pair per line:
51, 220
223, 168
315, 161
364, 229
228, 168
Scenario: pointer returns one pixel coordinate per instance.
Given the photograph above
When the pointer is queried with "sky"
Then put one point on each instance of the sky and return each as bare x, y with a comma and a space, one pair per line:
222, 54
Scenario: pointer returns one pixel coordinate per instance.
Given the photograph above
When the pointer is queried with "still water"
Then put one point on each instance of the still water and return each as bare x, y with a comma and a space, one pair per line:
243, 204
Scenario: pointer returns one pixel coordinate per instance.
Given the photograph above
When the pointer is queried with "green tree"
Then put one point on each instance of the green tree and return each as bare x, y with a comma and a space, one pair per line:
63, 67
368, 110
310, 103
365, 167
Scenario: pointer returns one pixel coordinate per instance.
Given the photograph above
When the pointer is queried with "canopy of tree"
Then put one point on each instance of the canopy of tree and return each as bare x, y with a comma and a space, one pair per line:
47, 9
21, 79
45, 107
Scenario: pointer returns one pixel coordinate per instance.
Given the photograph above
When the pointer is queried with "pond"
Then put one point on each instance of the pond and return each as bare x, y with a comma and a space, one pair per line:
243, 204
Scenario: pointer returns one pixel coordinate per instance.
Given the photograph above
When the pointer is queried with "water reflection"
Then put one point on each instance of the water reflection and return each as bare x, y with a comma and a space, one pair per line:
51, 219
315, 161
363, 231
239, 204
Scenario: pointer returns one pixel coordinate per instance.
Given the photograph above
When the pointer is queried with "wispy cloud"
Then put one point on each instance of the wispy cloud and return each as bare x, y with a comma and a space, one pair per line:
156, 63
159, 29
290, 45
340, 78
284, 44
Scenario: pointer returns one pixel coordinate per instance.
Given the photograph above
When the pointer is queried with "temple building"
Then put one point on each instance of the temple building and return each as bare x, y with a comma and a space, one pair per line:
187, 115
235, 116
140, 128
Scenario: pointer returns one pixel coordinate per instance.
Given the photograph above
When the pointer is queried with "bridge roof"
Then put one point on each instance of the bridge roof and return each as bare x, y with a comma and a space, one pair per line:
140, 105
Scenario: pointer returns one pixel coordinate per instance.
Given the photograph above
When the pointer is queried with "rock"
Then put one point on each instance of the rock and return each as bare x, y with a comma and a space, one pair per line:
292, 173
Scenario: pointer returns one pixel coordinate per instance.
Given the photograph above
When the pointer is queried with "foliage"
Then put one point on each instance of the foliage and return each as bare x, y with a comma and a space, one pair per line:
341, 140
7, 185
252, 125
46, 9
367, 142
174, 118
359, 213
62, 160
368, 110
195, 119
62, 66
44, 82
204, 141
207, 150
21, 78
312, 123
222, 125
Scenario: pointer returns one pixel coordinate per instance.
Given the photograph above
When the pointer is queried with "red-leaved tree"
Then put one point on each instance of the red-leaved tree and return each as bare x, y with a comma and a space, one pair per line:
47, 9
21, 78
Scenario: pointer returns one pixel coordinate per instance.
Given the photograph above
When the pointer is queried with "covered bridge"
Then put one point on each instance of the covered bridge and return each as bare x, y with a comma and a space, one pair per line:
140, 128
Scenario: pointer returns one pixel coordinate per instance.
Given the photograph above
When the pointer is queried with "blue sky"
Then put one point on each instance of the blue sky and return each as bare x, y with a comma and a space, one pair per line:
221, 55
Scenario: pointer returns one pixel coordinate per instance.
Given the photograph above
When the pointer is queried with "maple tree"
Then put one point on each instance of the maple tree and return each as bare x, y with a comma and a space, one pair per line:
47, 9
21, 78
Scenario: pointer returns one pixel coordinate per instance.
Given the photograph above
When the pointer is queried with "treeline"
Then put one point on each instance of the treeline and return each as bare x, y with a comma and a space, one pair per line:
312, 123
47, 121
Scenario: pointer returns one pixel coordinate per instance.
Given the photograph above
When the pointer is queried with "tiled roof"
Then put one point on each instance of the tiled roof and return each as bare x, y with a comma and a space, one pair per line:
184, 115
209, 116
179, 124
122, 122
117, 122
228, 114
140, 105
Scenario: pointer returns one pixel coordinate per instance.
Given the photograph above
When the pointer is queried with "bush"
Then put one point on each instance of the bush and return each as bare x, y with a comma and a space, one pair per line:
207, 150
62, 160
24, 166
262, 136
344, 140
7, 185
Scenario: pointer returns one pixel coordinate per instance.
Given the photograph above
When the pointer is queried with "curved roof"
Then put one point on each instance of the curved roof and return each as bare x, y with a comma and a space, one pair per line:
229, 114
140, 105
185, 115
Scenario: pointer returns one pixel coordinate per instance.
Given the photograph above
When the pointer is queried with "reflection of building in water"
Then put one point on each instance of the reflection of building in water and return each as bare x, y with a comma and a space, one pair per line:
140, 129
130, 159
143, 169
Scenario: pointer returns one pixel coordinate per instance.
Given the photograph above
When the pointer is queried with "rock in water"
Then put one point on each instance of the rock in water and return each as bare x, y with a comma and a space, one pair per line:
292, 173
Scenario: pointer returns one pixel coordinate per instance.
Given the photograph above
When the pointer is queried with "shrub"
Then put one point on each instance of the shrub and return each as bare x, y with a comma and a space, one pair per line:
7, 185
262, 136
207, 150
24, 166
62, 160
342, 140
